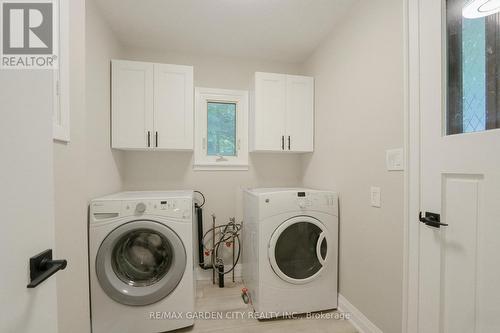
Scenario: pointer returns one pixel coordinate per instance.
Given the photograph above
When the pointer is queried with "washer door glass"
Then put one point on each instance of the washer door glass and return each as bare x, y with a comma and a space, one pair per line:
140, 262
298, 249
142, 257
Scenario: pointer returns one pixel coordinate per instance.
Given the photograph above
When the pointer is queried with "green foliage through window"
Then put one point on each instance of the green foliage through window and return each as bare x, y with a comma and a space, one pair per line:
221, 128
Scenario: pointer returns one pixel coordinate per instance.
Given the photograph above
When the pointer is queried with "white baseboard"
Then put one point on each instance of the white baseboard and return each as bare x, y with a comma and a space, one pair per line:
358, 319
206, 275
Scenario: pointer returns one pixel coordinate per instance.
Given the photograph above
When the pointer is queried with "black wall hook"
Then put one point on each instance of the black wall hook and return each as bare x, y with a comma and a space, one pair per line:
42, 267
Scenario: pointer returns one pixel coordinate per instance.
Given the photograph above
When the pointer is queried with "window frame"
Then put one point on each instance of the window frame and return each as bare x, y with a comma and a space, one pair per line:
204, 162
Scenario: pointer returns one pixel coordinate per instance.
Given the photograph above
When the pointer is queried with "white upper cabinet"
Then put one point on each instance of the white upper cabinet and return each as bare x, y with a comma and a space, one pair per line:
152, 106
282, 113
173, 106
300, 113
132, 104
269, 112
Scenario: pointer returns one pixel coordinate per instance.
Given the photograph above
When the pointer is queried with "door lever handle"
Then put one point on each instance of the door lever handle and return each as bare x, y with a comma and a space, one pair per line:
431, 220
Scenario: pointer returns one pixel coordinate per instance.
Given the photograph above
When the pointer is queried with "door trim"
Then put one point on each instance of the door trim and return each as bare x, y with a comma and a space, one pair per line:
412, 132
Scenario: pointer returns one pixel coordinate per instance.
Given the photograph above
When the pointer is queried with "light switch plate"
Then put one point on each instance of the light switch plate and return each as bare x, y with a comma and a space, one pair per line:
375, 194
395, 159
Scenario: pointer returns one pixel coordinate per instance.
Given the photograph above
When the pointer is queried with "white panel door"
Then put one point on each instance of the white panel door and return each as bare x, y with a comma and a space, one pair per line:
269, 118
132, 105
300, 113
27, 199
173, 110
459, 278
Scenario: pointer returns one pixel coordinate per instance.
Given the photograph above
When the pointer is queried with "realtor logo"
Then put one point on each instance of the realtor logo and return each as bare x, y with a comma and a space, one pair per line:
29, 38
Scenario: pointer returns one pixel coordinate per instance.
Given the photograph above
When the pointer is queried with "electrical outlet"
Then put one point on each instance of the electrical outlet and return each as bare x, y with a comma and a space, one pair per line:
375, 197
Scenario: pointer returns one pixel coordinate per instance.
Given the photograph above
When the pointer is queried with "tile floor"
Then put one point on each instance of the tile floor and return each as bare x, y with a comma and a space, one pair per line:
210, 298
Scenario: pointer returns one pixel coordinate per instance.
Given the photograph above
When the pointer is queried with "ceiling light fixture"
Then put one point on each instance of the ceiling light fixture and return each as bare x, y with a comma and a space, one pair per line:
480, 8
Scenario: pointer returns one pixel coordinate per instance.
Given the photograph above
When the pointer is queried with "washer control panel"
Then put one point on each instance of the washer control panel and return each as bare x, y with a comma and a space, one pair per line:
172, 207
140, 208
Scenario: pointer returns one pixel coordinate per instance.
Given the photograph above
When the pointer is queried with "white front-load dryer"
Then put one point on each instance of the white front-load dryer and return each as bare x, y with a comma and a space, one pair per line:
141, 262
290, 254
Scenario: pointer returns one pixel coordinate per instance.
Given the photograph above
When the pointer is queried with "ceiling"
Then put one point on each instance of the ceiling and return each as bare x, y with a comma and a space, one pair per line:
279, 30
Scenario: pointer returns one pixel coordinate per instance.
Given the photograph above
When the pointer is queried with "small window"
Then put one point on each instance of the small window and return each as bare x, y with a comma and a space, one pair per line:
221, 132
221, 129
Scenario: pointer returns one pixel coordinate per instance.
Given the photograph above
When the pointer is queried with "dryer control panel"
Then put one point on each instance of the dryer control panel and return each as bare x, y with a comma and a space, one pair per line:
307, 200
279, 202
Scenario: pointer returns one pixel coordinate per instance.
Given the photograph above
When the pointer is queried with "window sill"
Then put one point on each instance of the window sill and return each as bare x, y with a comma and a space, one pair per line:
220, 167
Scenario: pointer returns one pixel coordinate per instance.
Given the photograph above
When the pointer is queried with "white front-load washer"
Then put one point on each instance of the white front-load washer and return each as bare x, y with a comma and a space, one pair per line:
141, 262
290, 254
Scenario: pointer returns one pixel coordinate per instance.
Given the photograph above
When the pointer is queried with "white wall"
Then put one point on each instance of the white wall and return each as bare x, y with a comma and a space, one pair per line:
86, 167
70, 191
213, 71
173, 170
359, 114
104, 165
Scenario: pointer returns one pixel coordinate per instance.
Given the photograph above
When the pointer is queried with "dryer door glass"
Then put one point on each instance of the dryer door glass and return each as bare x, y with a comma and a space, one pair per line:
140, 262
142, 257
299, 249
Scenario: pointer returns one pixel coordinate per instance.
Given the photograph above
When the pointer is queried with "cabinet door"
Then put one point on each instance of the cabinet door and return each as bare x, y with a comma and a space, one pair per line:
300, 113
173, 115
132, 104
268, 128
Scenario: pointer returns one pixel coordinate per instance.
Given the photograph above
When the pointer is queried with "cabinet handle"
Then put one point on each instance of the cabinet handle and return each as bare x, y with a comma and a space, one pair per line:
282, 142
289, 142
149, 139
156, 139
